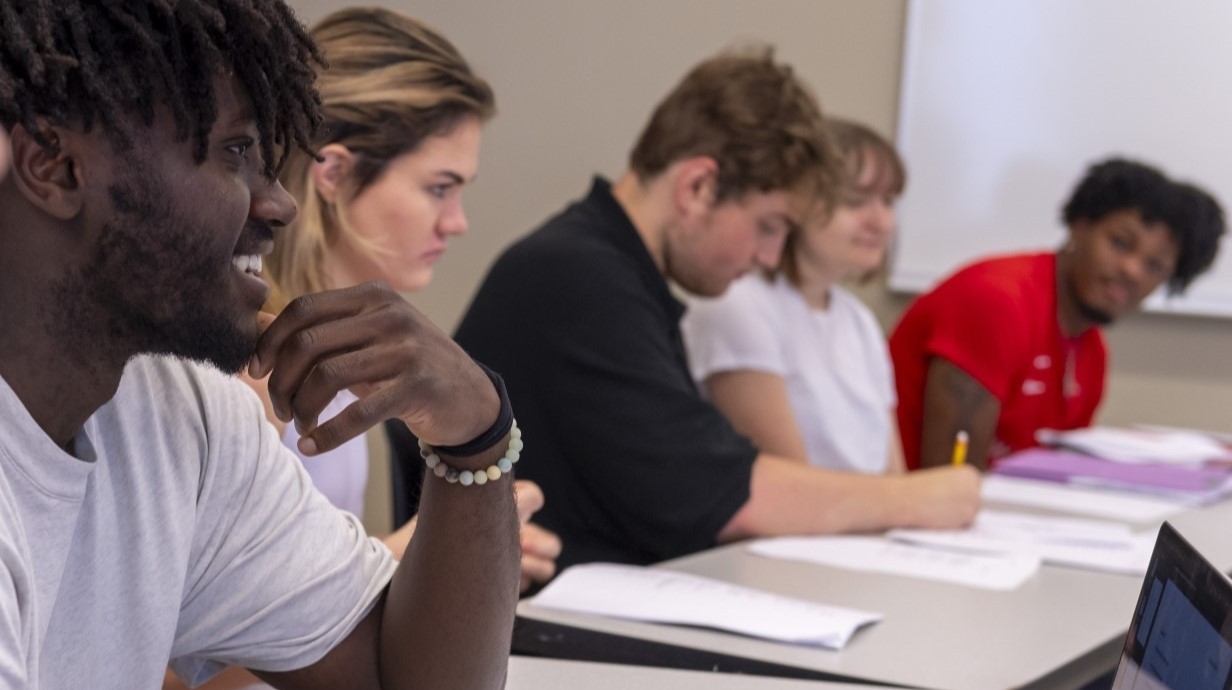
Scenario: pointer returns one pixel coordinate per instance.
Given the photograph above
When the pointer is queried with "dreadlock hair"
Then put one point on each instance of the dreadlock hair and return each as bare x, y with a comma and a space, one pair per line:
82, 62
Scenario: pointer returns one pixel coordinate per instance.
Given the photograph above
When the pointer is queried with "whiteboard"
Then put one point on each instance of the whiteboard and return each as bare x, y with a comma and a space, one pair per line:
1005, 104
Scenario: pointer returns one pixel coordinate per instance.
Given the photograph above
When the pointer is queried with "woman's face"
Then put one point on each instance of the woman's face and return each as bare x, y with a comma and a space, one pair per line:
409, 213
853, 240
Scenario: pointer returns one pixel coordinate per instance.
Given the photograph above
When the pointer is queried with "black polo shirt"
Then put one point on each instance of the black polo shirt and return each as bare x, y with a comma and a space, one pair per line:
636, 466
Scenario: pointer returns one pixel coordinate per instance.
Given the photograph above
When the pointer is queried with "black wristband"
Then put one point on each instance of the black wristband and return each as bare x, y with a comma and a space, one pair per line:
499, 429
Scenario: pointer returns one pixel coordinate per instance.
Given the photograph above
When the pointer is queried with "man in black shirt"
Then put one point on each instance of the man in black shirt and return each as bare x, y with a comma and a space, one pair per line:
637, 467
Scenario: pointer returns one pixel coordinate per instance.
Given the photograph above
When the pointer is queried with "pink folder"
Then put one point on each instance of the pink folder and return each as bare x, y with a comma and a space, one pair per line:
1070, 467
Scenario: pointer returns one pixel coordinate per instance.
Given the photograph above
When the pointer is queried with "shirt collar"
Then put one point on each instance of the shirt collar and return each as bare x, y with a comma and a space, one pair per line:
619, 230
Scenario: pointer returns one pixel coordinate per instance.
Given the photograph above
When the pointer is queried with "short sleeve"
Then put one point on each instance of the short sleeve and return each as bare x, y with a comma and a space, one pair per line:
979, 329
736, 332
277, 576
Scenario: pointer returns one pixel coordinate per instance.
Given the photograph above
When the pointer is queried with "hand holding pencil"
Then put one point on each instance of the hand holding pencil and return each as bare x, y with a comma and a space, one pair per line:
959, 456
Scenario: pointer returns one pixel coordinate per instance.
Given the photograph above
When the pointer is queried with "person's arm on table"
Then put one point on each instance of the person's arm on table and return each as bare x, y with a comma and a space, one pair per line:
540, 548
446, 619
788, 498
953, 402
757, 405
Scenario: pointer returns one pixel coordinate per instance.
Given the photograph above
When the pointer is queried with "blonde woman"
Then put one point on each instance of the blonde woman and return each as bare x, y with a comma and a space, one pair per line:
793, 359
403, 114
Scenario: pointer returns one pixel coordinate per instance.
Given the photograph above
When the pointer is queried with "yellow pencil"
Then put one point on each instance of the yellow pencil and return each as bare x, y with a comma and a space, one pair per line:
960, 448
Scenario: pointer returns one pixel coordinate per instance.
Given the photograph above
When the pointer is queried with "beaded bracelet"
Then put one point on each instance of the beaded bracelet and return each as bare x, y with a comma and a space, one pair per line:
479, 477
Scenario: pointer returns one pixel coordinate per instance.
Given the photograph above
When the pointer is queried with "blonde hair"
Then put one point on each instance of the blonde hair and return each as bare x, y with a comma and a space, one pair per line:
860, 147
391, 83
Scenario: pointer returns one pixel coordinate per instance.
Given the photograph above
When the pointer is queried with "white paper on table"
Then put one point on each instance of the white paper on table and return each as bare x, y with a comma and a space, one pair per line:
1175, 447
878, 555
1101, 503
1222, 437
1089, 544
664, 596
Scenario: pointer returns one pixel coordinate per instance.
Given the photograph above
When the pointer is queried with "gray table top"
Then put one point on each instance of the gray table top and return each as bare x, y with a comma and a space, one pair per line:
549, 674
1062, 628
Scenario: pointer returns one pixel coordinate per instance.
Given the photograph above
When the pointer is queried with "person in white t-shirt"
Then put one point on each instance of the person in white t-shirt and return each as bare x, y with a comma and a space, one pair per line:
793, 359
148, 512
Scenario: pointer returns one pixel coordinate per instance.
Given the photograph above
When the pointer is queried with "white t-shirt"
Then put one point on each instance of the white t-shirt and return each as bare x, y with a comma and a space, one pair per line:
342, 473
835, 363
186, 532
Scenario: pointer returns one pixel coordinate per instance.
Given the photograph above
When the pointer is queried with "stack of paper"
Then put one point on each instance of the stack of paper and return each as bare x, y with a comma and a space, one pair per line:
874, 554
1067, 498
1089, 544
1218, 436
1190, 484
664, 596
1138, 445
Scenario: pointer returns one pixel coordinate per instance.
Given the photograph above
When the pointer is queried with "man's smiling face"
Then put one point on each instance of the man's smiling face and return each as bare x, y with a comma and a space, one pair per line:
173, 266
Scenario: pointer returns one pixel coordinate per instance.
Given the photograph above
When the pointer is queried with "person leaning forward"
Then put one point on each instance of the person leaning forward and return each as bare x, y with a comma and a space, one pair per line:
579, 317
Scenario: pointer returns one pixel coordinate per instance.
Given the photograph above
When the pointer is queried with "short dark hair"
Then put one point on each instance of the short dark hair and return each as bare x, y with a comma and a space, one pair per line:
1201, 245
1192, 215
81, 62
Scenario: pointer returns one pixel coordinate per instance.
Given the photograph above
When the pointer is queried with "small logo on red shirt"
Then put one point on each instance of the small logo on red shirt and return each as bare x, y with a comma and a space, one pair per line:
1033, 387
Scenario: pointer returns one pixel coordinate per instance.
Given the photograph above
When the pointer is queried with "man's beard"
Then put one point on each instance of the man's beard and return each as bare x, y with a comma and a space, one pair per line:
153, 284
1093, 314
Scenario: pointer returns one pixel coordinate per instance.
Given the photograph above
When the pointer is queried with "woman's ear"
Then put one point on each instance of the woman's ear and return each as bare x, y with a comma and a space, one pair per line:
329, 173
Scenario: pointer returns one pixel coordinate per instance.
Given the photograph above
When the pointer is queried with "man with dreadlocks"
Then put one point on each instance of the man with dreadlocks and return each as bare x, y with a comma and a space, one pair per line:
147, 512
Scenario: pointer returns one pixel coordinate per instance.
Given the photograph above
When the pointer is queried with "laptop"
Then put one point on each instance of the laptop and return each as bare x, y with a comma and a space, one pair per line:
1180, 637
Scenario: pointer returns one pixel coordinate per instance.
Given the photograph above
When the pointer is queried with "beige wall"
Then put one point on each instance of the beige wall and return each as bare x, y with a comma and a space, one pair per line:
575, 80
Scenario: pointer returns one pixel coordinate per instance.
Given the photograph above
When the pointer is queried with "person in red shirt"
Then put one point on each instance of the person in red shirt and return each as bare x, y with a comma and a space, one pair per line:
1012, 344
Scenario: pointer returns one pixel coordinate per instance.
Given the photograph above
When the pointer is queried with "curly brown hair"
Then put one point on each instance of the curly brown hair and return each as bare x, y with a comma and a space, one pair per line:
754, 117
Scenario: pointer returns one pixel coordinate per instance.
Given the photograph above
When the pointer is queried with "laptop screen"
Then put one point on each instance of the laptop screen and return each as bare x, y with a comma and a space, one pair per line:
1180, 637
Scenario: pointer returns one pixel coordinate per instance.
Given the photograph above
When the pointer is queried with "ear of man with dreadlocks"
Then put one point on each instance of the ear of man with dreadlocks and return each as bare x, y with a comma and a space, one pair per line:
147, 511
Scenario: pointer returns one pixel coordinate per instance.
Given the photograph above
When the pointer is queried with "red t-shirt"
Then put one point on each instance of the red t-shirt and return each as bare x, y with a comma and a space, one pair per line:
997, 321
